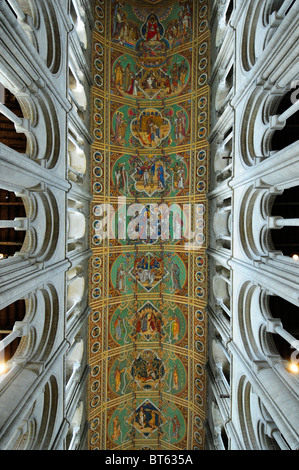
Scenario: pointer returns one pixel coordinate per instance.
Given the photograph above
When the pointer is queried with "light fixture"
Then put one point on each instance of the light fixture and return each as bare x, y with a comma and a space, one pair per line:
3, 368
294, 368
295, 257
1, 256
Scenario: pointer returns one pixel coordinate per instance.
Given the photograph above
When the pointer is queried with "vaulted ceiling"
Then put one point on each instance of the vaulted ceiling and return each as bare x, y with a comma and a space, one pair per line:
148, 331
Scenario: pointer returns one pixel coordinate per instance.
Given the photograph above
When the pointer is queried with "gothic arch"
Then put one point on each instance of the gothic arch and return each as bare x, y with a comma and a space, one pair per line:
36, 120
251, 319
253, 223
246, 414
261, 21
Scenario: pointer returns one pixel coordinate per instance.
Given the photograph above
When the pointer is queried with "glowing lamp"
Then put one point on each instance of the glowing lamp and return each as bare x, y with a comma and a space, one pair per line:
294, 368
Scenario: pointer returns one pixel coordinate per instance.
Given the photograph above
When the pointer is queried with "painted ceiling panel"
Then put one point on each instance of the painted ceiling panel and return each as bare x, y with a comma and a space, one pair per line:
148, 276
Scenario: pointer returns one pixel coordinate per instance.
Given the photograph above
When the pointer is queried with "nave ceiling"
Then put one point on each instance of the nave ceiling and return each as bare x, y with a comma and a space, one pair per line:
147, 345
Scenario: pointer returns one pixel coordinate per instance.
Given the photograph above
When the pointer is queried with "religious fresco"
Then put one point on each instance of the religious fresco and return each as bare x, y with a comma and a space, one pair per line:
151, 128
148, 281
150, 175
148, 323
131, 79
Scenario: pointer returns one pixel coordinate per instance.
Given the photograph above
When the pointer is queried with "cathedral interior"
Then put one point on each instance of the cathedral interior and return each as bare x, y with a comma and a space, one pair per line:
149, 183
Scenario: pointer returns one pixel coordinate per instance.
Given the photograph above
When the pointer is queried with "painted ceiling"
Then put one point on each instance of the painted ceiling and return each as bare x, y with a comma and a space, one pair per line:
147, 343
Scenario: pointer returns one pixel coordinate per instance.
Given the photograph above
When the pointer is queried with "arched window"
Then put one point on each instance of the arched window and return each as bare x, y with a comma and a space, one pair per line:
229, 11
221, 289
285, 213
77, 92
73, 436
223, 158
224, 90
78, 21
222, 224
287, 115
76, 225
39, 22
288, 314
76, 158
75, 292
11, 115
12, 224
8, 317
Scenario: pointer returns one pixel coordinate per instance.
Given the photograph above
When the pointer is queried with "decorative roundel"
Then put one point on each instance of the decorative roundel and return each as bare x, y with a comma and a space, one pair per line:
97, 277
95, 332
95, 371
200, 238
95, 348
98, 188
96, 293
203, 48
101, 2
200, 261
203, 11
199, 346
199, 400
199, 315
202, 79
95, 437
199, 331
99, 65
202, 102
97, 263
95, 401
98, 103
203, 26
98, 119
201, 186
198, 438
202, 132
200, 223
201, 170
97, 240
199, 291
198, 423
98, 172
99, 27
98, 210
199, 385
98, 134
202, 154
200, 277
199, 369
202, 118
202, 63
98, 157
99, 80
95, 386
96, 316
94, 424
99, 49
100, 12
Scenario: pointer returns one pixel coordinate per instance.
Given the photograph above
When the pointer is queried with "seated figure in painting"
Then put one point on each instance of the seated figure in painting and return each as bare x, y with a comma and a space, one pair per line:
152, 29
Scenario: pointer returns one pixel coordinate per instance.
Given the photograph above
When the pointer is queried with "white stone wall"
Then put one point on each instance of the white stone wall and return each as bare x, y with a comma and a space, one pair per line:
258, 409
42, 394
